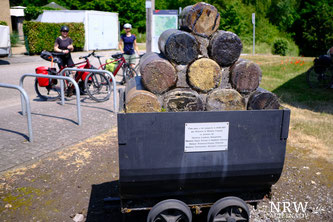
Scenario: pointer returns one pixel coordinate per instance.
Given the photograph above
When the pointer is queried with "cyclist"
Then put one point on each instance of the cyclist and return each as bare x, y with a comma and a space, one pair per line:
64, 44
128, 46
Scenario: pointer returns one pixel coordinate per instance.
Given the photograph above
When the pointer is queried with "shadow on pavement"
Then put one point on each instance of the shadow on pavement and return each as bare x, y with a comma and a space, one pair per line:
4, 62
296, 92
15, 132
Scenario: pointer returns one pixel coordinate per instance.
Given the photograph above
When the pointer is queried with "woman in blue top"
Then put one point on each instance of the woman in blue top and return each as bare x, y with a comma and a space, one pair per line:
128, 46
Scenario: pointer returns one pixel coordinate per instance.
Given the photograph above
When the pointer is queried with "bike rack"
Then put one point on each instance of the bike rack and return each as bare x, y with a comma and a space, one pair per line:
27, 103
98, 71
77, 90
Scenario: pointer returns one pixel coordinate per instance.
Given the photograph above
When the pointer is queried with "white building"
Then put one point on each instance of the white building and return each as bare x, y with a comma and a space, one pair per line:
101, 28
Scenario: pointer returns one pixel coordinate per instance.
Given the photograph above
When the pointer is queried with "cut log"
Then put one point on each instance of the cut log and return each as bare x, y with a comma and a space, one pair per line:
203, 45
224, 99
138, 100
181, 73
245, 76
158, 74
178, 100
225, 48
202, 19
204, 74
178, 46
263, 99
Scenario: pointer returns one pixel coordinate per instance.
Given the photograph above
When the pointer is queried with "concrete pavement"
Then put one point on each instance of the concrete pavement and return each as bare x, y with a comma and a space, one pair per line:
54, 126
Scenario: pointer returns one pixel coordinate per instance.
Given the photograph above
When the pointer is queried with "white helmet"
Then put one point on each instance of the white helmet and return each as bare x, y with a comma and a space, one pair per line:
127, 26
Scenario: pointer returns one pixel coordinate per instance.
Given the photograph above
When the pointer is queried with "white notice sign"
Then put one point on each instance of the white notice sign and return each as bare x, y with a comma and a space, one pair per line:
202, 137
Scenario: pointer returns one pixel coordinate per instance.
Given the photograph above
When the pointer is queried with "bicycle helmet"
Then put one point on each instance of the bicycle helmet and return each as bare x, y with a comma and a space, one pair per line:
64, 28
127, 26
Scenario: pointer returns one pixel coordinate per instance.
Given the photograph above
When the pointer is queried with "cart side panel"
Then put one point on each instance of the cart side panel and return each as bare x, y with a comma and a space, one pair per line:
152, 160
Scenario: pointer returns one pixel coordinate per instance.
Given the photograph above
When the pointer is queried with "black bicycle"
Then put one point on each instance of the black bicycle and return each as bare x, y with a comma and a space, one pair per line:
320, 75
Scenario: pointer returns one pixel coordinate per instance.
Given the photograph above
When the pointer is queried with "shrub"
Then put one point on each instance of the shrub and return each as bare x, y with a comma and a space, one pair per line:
3, 23
41, 36
14, 39
280, 47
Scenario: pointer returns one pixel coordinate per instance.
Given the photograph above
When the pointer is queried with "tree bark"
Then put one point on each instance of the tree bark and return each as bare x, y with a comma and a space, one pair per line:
178, 100
178, 46
203, 45
202, 19
245, 76
263, 99
138, 100
225, 48
204, 74
224, 99
158, 74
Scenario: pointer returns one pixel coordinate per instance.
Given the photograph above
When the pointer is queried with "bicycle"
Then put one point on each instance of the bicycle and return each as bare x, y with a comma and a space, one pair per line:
120, 62
96, 85
320, 75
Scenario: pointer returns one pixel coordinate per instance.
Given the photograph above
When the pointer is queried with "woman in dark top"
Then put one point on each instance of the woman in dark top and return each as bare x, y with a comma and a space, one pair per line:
64, 44
128, 46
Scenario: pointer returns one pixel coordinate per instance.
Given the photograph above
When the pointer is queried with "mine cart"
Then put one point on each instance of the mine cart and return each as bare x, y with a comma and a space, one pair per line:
175, 163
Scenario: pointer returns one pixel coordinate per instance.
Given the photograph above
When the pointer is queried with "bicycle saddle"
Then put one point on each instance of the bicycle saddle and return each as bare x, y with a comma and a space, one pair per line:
117, 56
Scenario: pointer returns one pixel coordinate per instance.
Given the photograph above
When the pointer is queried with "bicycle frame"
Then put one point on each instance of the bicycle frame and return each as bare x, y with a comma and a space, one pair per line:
122, 62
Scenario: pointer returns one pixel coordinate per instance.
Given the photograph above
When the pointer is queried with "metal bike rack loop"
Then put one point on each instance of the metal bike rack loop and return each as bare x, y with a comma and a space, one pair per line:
98, 71
77, 90
27, 104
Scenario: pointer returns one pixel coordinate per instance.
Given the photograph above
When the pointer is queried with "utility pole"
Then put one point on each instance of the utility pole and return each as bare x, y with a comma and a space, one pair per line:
150, 7
254, 31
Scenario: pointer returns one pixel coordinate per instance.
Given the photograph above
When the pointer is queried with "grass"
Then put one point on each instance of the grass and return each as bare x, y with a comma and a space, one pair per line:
311, 125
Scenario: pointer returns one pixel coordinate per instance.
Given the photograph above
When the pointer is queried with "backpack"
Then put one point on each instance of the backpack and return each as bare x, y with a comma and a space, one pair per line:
111, 66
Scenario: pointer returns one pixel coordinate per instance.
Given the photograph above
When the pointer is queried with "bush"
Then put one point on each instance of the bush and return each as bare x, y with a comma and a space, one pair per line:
14, 39
3, 23
280, 47
41, 36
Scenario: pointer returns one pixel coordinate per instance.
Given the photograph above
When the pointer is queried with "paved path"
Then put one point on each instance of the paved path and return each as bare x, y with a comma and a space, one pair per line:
54, 126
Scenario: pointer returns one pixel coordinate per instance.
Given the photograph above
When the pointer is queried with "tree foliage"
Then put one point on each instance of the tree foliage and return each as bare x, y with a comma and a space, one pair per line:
308, 22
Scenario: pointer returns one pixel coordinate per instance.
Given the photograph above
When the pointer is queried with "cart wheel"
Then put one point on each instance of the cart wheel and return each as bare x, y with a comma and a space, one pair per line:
170, 211
229, 209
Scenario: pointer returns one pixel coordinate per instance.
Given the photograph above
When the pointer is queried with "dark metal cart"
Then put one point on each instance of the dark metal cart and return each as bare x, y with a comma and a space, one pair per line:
176, 163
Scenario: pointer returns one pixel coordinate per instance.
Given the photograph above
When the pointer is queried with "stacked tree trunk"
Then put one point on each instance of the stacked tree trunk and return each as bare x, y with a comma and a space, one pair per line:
198, 69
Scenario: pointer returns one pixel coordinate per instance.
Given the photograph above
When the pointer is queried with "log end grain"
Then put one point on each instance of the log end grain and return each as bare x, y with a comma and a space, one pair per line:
178, 46
263, 99
179, 100
224, 99
204, 74
225, 48
202, 19
141, 101
158, 74
245, 76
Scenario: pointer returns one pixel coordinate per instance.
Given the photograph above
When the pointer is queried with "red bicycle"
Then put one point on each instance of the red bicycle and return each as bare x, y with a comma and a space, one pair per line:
96, 85
114, 65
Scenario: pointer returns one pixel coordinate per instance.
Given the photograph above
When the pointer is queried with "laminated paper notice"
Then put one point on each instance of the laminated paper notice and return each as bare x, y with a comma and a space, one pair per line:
202, 137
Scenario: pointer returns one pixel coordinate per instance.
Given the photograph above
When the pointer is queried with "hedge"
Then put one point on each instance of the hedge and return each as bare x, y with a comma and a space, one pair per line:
3, 23
41, 36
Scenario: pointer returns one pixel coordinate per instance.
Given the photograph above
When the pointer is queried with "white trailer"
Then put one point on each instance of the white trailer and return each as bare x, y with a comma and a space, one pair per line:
101, 28
4, 40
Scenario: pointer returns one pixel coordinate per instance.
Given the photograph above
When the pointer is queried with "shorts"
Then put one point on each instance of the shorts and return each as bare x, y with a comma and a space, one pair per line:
131, 59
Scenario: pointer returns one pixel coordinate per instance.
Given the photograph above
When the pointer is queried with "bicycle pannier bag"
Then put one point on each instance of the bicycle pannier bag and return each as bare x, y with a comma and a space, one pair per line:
111, 66
43, 82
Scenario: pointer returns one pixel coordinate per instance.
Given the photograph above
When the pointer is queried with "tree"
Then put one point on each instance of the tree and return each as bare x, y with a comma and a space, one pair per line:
313, 29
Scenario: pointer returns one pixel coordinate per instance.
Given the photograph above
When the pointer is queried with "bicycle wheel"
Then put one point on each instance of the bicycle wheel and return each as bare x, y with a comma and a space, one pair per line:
98, 87
48, 93
319, 80
128, 73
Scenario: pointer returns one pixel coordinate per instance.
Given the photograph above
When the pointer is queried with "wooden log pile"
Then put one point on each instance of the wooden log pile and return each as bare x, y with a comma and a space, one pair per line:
199, 68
